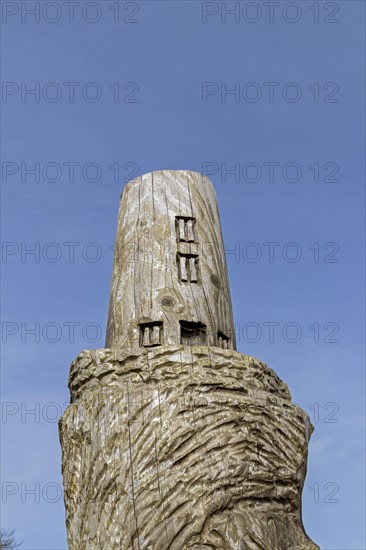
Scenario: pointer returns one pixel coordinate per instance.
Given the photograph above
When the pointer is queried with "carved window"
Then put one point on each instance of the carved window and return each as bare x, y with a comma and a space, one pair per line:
188, 268
192, 334
223, 341
185, 229
151, 334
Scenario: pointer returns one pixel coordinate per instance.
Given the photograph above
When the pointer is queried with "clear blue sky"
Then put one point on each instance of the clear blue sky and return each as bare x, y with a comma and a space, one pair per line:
293, 130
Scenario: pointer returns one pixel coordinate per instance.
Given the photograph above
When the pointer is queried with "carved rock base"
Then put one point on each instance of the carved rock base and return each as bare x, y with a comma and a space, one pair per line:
182, 448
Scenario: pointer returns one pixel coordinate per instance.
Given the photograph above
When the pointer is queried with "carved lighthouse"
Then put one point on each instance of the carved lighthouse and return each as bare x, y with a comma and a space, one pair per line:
174, 440
170, 283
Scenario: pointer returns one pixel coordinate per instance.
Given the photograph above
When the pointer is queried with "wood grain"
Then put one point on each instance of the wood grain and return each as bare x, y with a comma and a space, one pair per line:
174, 440
153, 262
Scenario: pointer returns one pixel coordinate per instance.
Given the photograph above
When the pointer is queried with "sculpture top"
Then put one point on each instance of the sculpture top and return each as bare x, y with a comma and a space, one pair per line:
169, 283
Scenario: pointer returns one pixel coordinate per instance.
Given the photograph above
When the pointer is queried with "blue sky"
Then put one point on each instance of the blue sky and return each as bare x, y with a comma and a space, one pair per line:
151, 85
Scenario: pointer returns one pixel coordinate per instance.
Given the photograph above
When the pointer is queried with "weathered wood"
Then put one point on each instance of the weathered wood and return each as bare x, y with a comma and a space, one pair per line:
169, 261
174, 440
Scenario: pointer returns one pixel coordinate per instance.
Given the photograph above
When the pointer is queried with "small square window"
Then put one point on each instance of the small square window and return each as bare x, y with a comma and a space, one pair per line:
185, 229
151, 334
223, 341
188, 268
192, 334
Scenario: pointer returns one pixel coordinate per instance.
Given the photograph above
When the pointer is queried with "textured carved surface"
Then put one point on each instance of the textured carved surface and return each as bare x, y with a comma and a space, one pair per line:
182, 447
173, 440
169, 262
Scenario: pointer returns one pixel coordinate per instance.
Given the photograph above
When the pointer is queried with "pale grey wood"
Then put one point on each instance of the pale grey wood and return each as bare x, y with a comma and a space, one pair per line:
170, 261
182, 448
174, 440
